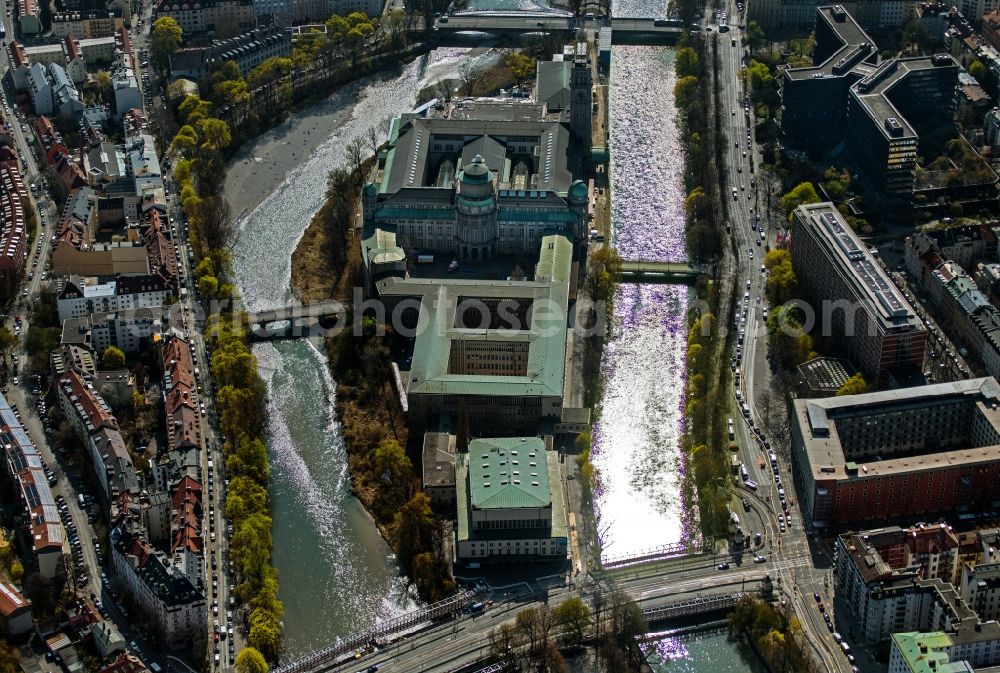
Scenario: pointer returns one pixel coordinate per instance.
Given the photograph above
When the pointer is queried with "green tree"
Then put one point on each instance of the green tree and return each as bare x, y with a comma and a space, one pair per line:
167, 38
521, 66
836, 182
391, 460
978, 70
215, 134
781, 279
42, 339
685, 92
755, 36
573, 615
855, 385
10, 657
265, 633
802, 194
413, 523
250, 660
687, 62
695, 203
7, 341
113, 358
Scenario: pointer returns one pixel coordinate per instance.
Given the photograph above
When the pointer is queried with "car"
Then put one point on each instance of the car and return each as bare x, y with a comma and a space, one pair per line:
759, 558
829, 626
722, 566
822, 608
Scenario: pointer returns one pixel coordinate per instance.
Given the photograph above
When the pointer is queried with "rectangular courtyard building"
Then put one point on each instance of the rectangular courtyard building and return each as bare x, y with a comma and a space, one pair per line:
905, 452
489, 355
510, 501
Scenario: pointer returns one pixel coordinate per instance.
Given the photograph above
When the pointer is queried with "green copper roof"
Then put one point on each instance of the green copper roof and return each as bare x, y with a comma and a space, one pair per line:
414, 214
546, 336
508, 473
510, 215
927, 652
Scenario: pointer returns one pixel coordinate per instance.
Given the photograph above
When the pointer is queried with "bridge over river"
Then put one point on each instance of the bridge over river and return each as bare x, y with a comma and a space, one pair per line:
624, 30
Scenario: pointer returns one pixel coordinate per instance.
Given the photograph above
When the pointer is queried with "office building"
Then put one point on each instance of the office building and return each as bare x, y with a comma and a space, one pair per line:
853, 299
247, 50
510, 501
905, 452
877, 109
126, 330
773, 15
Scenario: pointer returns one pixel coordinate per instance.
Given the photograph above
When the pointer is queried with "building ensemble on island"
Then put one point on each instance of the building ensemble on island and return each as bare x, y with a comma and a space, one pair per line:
487, 182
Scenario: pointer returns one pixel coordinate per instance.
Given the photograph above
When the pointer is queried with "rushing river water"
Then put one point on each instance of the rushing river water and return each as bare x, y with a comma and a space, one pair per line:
337, 574
637, 439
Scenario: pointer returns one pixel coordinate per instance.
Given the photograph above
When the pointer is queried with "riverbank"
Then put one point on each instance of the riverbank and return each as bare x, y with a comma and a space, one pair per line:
259, 166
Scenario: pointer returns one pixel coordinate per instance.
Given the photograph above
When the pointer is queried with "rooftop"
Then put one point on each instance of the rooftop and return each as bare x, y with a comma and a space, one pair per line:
862, 271
545, 337
816, 418
439, 459
508, 473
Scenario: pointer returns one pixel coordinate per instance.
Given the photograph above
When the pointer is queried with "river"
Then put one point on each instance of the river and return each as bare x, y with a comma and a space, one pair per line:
337, 575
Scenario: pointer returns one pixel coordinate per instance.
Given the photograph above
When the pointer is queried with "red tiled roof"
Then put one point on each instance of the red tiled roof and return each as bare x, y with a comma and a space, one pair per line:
96, 414
11, 600
72, 47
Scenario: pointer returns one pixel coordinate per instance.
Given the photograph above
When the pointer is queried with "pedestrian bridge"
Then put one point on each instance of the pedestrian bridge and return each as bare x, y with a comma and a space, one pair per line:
624, 30
650, 555
639, 271
331, 654
692, 606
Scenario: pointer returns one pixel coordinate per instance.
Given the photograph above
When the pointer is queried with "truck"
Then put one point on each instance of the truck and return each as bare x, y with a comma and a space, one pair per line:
425, 259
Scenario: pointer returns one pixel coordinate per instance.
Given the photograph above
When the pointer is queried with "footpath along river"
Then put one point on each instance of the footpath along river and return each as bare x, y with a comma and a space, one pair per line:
337, 575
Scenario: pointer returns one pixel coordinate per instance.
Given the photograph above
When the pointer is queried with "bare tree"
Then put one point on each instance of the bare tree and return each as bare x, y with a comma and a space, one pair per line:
355, 151
215, 222
374, 134
467, 74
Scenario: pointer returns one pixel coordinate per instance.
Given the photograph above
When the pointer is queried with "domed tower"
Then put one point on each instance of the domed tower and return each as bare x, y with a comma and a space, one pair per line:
476, 209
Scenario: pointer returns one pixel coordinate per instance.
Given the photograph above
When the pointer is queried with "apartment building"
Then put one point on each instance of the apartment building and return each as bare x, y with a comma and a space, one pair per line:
219, 18
877, 109
510, 503
967, 650
32, 501
13, 201
124, 329
979, 587
81, 296
29, 20
86, 24
247, 50
904, 452
853, 299
161, 589
15, 611
886, 599
97, 429
180, 394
